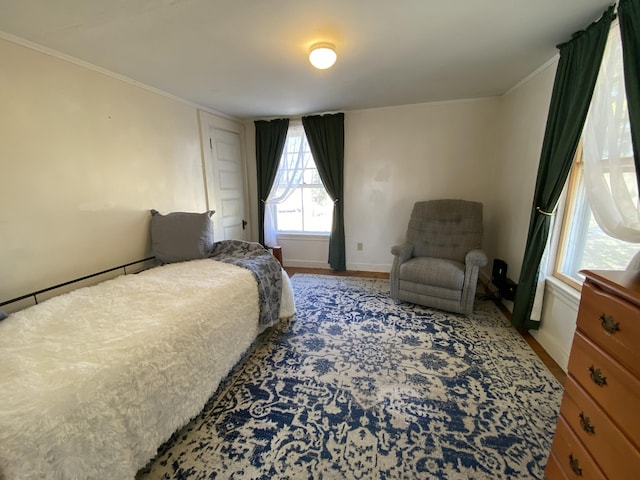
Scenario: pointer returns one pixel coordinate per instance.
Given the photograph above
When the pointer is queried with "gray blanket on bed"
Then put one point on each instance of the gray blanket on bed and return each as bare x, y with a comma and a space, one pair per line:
265, 268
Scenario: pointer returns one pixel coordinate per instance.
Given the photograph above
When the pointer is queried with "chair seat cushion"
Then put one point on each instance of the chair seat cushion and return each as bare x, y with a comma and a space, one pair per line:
437, 272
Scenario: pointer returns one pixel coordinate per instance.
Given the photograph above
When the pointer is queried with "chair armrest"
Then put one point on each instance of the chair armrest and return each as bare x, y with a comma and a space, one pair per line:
476, 258
403, 251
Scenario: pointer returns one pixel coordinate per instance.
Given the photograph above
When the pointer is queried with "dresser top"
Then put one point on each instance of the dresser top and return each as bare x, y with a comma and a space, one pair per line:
624, 283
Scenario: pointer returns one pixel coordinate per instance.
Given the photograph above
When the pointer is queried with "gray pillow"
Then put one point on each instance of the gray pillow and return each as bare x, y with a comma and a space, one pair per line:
181, 236
3, 315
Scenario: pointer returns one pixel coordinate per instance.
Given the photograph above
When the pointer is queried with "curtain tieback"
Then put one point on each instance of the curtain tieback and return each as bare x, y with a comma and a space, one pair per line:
548, 214
335, 201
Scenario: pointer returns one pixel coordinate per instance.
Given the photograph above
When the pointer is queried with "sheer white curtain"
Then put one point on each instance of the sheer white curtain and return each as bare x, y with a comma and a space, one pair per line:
544, 272
288, 178
609, 172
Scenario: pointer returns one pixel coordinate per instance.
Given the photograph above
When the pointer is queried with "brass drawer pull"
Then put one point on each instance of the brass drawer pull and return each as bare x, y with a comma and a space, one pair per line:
585, 423
573, 463
608, 324
597, 377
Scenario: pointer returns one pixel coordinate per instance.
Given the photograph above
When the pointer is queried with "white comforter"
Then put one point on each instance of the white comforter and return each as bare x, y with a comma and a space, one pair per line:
94, 381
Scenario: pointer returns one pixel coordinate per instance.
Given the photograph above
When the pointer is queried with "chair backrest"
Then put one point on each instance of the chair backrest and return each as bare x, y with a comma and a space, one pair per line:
445, 228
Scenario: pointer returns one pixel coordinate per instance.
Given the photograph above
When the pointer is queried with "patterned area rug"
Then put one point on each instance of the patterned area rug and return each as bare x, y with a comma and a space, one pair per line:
357, 386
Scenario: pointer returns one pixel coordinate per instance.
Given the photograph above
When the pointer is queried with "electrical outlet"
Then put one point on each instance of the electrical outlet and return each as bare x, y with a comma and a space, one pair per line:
359, 246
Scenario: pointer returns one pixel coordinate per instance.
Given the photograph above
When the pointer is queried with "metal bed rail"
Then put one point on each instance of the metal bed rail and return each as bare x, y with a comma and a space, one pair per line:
35, 294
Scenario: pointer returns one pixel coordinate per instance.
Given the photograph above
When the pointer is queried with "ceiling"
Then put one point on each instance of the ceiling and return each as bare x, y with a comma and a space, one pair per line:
248, 58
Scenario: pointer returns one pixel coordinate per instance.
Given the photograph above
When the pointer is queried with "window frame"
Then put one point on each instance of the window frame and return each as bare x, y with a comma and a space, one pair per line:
568, 209
570, 205
567, 234
303, 186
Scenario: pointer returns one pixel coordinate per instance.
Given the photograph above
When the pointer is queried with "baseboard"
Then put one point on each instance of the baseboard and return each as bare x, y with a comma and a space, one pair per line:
484, 277
360, 267
369, 267
552, 347
305, 264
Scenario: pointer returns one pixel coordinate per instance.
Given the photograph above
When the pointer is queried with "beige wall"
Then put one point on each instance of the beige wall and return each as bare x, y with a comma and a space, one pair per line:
394, 157
397, 156
83, 158
523, 117
523, 114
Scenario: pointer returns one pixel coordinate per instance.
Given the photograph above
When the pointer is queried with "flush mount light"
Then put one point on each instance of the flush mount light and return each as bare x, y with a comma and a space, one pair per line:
322, 55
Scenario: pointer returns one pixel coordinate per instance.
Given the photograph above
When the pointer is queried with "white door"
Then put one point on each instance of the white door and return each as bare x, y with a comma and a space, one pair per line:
226, 185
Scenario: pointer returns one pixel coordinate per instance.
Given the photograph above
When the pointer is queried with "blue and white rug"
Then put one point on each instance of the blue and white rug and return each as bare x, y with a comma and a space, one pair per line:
356, 386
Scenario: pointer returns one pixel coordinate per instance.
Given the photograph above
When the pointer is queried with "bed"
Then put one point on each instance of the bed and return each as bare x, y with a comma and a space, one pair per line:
95, 380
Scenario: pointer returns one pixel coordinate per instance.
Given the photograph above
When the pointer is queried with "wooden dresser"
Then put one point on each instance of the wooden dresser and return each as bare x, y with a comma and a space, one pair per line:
598, 430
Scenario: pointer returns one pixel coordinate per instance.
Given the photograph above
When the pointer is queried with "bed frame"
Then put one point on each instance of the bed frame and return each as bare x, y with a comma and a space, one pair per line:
115, 379
35, 294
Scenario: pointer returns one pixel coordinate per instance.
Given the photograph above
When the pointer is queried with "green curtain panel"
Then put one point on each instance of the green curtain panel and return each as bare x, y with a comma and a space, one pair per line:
629, 20
270, 139
325, 134
575, 80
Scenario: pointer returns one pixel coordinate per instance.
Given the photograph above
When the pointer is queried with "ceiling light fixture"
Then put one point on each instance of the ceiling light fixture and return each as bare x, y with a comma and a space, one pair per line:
322, 55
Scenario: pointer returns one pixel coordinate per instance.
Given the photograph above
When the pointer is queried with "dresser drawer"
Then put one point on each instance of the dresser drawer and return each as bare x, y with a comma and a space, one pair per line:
614, 453
611, 322
553, 470
571, 457
619, 392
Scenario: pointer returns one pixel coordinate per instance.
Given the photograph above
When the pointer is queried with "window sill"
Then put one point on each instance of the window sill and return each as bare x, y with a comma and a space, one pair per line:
302, 236
559, 289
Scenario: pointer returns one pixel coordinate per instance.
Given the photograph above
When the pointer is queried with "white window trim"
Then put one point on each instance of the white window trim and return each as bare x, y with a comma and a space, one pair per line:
294, 234
557, 235
301, 235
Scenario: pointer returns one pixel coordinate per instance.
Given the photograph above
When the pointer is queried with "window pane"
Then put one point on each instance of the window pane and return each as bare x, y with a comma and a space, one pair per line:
307, 207
312, 177
586, 246
318, 210
606, 171
289, 213
604, 252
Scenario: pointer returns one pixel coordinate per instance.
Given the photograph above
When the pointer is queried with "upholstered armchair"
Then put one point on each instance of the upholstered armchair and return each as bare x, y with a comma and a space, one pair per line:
438, 264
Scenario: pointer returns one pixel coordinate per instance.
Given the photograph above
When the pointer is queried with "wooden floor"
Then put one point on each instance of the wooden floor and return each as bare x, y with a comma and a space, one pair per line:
349, 273
535, 346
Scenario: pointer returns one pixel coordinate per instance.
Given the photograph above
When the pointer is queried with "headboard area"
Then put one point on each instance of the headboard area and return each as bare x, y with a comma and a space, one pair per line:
32, 298
175, 237
83, 158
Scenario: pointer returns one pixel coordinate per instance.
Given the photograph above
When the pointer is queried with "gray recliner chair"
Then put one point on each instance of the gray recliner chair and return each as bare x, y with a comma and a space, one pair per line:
438, 264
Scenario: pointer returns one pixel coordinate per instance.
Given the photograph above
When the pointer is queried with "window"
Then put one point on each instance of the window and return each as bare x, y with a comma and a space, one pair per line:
302, 204
606, 147
583, 244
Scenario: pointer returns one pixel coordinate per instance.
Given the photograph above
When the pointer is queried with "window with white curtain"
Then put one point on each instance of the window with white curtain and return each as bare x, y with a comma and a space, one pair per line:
298, 200
601, 226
